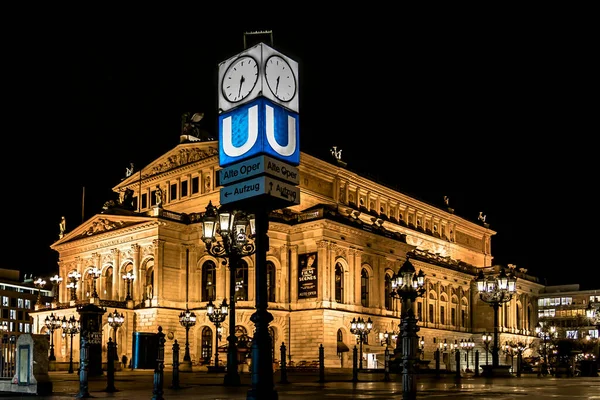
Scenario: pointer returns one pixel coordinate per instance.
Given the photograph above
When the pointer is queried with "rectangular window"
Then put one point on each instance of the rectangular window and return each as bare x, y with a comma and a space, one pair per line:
442, 315
453, 317
420, 311
173, 194
13, 314
184, 189
27, 328
431, 314
21, 303
152, 198
5, 301
28, 304
195, 185
20, 327
144, 201
463, 318
571, 334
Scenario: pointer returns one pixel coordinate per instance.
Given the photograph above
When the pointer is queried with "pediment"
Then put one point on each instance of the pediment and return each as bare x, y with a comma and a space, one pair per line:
181, 155
100, 224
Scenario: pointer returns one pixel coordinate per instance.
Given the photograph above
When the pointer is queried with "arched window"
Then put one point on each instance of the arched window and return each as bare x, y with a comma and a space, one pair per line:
339, 283
206, 348
388, 291
209, 281
241, 281
270, 281
364, 288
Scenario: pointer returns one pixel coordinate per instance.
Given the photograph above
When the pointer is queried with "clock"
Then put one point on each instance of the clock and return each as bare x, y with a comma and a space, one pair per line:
239, 79
280, 78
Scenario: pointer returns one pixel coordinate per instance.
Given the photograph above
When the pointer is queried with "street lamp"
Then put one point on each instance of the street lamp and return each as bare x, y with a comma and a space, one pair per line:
361, 329
128, 278
74, 277
187, 319
487, 341
52, 323
546, 332
40, 284
95, 273
496, 290
408, 285
115, 320
237, 232
467, 345
217, 316
70, 327
56, 281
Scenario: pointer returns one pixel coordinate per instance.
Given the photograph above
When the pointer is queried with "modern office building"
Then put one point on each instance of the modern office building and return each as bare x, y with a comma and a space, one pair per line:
144, 256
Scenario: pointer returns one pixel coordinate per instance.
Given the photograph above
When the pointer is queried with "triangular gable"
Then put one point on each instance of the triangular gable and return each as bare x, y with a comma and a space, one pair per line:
182, 154
101, 223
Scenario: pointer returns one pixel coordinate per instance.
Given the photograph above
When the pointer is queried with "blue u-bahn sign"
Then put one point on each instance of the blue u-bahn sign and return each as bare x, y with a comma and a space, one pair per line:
259, 127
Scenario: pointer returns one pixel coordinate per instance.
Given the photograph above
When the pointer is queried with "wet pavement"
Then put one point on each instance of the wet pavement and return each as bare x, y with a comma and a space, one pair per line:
139, 384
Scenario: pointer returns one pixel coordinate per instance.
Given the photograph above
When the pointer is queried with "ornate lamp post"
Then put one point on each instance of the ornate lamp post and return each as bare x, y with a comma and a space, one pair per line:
128, 278
40, 284
52, 323
70, 327
187, 319
487, 341
407, 285
115, 320
496, 290
56, 281
73, 277
95, 273
467, 345
237, 232
546, 332
361, 329
217, 316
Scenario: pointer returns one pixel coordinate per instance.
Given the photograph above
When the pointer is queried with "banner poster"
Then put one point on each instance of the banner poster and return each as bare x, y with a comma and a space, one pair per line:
307, 276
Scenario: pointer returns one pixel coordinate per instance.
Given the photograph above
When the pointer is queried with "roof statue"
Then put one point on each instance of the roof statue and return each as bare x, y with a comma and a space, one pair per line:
62, 226
481, 216
190, 128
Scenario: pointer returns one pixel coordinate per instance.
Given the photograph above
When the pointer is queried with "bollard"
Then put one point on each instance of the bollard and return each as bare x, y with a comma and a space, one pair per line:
321, 363
110, 367
84, 349
476, 362
457, 359
436, 356
175, 381
283, 364
386, 365
157, 391
354, 364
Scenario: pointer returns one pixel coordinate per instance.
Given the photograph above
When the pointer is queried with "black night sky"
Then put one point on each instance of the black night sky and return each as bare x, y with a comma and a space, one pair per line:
495, 115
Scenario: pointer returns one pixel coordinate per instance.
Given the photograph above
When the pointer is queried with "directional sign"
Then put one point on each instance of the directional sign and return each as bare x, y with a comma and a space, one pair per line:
260, 165
262, 187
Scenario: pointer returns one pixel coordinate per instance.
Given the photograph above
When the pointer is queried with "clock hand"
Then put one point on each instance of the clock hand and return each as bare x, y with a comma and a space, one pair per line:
277, 86
241, 83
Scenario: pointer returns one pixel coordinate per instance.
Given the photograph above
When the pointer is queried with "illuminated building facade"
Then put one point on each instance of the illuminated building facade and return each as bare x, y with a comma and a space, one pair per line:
330, 259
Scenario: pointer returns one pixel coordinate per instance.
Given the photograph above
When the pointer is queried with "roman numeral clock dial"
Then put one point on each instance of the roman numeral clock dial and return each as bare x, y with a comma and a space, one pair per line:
280, 78
240, 79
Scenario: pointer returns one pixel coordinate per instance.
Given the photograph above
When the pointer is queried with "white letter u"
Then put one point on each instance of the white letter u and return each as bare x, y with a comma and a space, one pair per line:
289, 149
228, 147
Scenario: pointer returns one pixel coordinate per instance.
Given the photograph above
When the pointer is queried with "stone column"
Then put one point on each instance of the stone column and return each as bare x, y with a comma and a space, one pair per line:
323, 251
282, 295
117, 276
293, 274
136, 286
158, 270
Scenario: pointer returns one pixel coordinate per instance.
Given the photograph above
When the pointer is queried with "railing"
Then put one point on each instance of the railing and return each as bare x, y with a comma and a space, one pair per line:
8, 356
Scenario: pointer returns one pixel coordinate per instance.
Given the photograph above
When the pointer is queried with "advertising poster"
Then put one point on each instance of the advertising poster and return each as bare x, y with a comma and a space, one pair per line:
307, 276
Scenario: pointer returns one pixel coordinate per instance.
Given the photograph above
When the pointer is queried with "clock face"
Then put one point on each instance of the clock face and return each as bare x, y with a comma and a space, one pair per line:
239, 79
280, 78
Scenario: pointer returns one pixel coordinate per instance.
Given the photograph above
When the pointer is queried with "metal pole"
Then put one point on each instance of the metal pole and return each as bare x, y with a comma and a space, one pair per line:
232, 377
283, 365
263, 387
354, 364
495, 348
437, 363
386, 367
217, 325
321, 363
110, 367
157, 391
83, 367
175, 380
410, 342
360, 340
476, 362
71, 355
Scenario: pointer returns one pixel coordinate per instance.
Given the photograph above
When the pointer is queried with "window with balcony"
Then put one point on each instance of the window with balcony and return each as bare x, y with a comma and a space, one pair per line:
208, 281
364, 288
339, 283
270, 281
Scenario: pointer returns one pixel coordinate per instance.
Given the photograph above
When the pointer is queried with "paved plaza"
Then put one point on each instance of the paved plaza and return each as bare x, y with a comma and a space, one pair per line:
139, 384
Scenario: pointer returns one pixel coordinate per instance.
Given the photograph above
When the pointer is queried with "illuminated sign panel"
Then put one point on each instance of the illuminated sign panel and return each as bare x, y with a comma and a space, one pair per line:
259, 127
